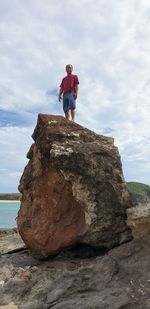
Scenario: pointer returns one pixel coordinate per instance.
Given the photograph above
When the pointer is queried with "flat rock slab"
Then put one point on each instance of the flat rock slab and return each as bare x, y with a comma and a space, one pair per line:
9, 306
10, 241
120, 279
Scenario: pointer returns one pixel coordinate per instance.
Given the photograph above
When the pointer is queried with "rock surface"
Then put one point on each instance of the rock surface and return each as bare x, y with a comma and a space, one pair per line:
120, 279
139, 220
10, 240
73, 190
9, 306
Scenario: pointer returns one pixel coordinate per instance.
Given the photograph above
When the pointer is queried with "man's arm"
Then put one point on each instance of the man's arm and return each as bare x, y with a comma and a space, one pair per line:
76, 91
60, 93
76, 88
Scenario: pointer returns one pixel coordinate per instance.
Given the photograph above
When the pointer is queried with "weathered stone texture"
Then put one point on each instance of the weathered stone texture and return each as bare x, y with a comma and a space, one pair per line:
73, 190
139, 220
120, 279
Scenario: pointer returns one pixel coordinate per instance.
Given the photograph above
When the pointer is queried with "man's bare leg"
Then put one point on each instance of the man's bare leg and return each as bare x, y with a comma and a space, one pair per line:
73, 114
67, 115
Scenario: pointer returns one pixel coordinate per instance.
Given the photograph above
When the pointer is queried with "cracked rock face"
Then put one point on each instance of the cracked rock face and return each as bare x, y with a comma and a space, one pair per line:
73, 190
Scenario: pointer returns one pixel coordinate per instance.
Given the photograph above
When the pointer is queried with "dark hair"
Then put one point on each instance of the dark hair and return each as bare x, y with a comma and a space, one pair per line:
69, 65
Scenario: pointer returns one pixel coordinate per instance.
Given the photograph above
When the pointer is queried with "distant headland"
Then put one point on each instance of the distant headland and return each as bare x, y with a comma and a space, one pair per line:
10, 196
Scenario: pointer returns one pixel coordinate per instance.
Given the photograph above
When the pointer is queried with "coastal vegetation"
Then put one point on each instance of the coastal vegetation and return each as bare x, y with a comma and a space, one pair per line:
140, 191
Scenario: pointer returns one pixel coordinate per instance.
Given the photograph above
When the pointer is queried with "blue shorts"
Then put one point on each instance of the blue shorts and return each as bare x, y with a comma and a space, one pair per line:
68, 102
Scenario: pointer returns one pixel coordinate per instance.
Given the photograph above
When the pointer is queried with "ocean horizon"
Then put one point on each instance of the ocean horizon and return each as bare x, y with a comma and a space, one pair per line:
8, 213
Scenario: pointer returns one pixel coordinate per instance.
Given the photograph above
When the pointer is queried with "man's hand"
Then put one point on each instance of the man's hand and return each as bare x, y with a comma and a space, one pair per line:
75, 96
60, 94
59, 98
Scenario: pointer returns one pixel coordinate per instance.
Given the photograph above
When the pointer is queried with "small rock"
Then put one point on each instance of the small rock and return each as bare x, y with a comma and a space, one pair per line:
34, 268
26, 275
2, 282
27, 267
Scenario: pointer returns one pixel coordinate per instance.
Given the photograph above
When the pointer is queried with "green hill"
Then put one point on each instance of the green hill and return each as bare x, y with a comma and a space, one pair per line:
140, 191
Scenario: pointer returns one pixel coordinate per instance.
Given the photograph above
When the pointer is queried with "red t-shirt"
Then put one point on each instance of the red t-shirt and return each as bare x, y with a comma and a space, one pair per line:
69, 83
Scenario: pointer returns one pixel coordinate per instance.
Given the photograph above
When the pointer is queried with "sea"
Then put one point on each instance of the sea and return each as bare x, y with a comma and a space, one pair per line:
8, 213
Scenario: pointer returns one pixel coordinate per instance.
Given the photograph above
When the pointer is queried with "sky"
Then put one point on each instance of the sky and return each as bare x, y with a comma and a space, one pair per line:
108, 44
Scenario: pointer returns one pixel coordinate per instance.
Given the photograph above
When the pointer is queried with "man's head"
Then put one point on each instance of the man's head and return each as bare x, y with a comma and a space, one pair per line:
69, 68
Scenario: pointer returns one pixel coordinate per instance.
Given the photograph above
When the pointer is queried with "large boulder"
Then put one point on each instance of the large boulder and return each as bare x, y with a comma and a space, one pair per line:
73, 189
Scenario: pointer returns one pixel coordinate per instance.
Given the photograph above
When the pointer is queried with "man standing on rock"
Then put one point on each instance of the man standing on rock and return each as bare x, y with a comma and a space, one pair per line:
69, 89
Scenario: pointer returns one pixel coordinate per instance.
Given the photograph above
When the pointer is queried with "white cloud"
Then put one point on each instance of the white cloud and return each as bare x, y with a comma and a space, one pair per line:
108, 44
14, 144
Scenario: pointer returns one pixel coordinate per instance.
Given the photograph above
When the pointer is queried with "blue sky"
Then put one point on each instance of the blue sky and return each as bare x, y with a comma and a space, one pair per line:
108, 44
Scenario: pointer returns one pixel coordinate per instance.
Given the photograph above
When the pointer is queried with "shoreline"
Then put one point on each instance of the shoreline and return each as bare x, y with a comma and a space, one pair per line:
9, 201
8, 230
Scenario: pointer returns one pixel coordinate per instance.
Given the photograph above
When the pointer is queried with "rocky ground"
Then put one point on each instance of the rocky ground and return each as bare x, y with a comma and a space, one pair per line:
117, 279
